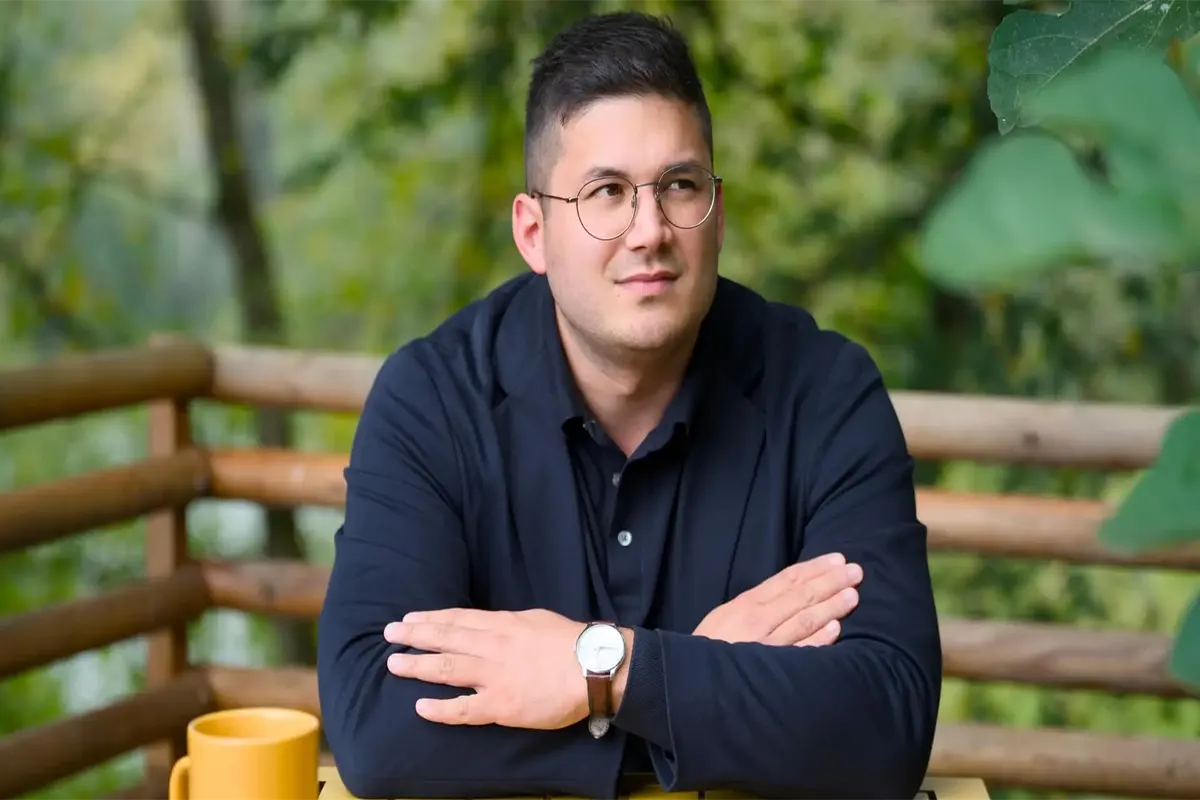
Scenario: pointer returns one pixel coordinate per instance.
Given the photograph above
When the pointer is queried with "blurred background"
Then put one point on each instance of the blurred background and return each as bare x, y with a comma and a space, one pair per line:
337, 175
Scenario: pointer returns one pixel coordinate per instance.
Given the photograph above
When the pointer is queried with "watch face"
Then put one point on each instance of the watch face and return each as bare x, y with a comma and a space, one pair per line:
600, 648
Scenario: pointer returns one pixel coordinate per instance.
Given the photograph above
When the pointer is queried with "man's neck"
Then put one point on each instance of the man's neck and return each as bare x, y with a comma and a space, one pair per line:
627, 392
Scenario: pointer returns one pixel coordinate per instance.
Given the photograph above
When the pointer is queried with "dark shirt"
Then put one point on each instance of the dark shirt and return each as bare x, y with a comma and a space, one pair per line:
627, 504
478, 478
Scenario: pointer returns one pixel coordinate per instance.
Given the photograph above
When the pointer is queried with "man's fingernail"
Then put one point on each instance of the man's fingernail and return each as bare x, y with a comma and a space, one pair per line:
832, 626
413, 616
393, 631
835, 558
853, 572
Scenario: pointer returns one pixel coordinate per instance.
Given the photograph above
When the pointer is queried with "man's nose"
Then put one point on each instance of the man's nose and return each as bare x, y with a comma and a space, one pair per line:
650, 227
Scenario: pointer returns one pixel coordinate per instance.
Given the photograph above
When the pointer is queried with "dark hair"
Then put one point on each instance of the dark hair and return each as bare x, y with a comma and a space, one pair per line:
600, 56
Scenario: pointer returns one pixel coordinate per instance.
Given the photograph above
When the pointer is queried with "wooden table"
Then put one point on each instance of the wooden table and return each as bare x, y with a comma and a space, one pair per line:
932, 789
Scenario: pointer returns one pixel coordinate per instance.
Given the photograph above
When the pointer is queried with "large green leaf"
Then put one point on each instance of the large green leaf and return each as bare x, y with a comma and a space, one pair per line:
1031, 49
1027, 203
1185, 655
1164, 507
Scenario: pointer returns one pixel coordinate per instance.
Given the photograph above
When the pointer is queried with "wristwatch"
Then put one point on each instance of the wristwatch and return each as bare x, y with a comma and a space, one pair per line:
600, 650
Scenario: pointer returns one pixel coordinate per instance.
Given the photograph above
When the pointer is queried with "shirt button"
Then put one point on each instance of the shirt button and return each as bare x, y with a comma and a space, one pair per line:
624, 538
616, 479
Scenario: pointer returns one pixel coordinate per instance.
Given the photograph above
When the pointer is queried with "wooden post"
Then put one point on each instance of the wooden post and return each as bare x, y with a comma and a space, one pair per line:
166, 553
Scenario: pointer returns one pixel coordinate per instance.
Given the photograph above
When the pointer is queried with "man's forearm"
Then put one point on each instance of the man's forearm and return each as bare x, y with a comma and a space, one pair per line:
854, 719
385, 749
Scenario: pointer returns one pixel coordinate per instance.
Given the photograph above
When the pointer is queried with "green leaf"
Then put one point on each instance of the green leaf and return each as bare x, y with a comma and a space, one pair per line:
1031, 49
1162, 509
1130, 97
1185, 655
1027, 203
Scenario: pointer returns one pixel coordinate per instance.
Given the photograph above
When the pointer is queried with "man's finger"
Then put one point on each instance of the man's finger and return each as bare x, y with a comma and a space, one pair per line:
819, 588
467, 709
799, 572
827, 635
444, 668
796, 597
464, 617
438, 637
808, 621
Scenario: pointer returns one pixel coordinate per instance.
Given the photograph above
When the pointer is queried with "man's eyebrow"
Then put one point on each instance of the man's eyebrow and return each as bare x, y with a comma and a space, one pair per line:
606, 172
616, 172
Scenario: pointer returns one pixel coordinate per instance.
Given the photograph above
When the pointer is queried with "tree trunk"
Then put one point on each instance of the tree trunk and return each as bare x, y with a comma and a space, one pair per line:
257, 291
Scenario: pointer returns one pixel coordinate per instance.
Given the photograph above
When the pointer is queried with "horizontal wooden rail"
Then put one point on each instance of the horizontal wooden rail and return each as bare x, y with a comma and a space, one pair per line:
35, 757
38, 514
938, 426
1022, 652
277, 587
279, 477
289, 687
1003, 525
288, 378
1055, 759
74, 385
1047, 759
40, 637
1011, 430
1025, 526
1044, 654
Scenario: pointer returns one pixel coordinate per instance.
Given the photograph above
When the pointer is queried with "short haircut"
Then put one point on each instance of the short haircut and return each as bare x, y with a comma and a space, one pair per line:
600, 56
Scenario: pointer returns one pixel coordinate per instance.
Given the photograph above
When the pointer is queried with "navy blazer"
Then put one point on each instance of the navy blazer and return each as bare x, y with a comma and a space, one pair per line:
459, 493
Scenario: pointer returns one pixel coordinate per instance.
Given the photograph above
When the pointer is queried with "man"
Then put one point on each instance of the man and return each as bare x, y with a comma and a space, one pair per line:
624, 516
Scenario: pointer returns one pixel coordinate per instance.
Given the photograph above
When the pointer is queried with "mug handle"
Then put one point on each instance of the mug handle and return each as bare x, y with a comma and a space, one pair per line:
177, 784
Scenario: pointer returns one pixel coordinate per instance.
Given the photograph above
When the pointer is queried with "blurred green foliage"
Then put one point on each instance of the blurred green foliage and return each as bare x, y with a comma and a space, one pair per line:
1105, 173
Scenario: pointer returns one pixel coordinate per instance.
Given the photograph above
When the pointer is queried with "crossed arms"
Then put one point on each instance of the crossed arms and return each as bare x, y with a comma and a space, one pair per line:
423, 695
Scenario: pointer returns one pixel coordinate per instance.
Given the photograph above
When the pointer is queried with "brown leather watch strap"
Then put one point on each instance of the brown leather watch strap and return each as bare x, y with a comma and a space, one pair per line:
599, 688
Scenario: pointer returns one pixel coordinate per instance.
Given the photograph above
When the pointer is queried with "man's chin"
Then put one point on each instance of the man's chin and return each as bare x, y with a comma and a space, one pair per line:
658, 336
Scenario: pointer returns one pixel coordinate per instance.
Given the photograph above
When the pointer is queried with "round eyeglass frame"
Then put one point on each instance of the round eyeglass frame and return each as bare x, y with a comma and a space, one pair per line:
715, 180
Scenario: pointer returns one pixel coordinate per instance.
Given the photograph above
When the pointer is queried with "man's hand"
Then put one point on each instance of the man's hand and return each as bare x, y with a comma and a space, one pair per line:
801, 605
521, 665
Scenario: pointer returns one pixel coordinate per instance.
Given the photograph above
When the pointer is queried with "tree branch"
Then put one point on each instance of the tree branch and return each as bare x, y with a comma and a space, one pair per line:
261, 316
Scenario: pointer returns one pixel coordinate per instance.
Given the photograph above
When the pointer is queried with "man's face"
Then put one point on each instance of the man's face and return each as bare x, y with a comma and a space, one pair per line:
650, 287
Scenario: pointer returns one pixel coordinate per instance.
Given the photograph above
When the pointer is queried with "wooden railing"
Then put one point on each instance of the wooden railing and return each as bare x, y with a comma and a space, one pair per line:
168, 374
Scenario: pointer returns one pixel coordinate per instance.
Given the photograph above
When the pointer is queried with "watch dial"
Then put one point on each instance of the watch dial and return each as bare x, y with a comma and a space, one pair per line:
600, 648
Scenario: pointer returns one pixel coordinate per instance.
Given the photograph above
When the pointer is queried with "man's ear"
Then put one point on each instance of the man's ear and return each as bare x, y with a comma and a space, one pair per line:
528, 229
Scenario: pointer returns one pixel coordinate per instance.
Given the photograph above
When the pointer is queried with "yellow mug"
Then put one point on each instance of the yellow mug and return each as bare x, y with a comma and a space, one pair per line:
249, 754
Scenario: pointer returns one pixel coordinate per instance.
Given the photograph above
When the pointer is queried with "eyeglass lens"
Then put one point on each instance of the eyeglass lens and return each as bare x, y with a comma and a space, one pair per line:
606, 205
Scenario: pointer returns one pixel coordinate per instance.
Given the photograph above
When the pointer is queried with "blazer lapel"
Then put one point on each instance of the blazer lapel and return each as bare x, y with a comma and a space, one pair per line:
545, 510
528, 414
722, 469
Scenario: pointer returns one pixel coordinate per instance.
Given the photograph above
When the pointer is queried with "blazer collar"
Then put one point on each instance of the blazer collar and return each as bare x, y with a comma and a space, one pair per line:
530, 363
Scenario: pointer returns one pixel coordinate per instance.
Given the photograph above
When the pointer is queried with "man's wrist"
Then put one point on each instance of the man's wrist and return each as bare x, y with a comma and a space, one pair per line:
621, 678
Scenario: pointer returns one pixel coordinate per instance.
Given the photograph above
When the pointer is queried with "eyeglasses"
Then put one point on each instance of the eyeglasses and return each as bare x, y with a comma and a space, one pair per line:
607, 206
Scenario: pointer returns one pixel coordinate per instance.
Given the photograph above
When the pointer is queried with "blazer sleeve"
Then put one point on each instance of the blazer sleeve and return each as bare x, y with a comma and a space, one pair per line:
401, 548
851, 720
